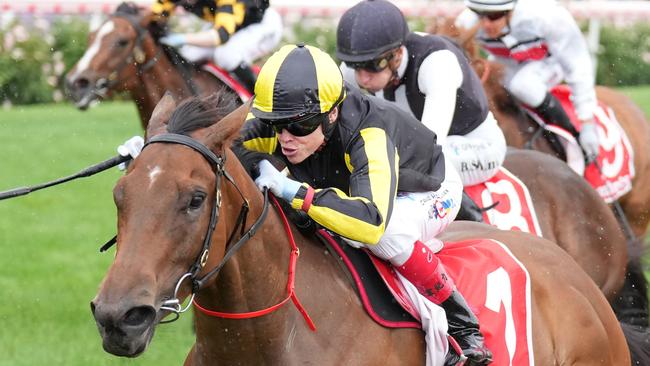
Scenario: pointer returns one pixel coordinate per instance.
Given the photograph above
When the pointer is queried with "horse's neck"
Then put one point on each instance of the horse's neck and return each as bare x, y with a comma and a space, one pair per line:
161, 77
255, 279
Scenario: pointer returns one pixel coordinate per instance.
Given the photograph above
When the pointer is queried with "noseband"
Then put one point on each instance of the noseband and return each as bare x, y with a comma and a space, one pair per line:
218, 164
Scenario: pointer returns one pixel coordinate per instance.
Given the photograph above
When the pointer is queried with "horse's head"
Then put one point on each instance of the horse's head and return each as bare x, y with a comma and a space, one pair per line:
119, 49
165, 204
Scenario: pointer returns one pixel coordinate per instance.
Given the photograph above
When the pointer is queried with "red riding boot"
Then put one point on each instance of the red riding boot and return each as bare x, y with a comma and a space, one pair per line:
424, 270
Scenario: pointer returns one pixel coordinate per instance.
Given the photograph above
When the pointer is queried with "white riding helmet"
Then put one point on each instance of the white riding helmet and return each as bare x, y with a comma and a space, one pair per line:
490, 5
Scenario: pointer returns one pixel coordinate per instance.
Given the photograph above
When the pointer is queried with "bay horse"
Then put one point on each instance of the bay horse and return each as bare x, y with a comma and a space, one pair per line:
124, 55
181, 188
519, 129
632, 209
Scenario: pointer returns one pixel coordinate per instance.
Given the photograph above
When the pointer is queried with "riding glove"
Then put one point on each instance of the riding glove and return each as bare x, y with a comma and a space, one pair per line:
130, 147
274, 180
174, 39
589, 140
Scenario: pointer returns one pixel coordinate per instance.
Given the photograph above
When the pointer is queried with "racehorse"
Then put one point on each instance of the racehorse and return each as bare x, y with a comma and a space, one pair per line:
178, 209
567, 216
124, 55
520, 130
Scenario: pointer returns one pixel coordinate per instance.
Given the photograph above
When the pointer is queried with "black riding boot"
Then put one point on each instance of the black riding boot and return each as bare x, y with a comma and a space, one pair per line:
469, 210
551, 111
246, 76
463, 326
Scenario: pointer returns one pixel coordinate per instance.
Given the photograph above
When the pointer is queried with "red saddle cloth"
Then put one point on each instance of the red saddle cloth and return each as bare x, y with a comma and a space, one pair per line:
229, 80
512, 206
492, 280
613, 172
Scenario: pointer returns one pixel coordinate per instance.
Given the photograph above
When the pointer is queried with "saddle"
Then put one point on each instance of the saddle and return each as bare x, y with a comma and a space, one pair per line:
494, 283
612, 173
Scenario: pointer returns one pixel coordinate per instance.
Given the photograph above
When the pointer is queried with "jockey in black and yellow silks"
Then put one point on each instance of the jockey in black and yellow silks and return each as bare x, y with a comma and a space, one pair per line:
360, 167
239, 32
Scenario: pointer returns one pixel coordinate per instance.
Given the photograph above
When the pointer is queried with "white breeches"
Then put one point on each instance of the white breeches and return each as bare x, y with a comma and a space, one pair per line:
530, 81
478, 155
422, 216
245, 46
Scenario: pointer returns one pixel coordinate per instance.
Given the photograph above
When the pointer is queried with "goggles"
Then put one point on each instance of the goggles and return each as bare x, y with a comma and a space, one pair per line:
298, 126
375, 65
491, 15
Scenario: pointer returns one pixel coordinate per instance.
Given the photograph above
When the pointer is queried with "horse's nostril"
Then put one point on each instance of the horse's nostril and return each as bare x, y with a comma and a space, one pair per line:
138, 316
92, 307
81, 83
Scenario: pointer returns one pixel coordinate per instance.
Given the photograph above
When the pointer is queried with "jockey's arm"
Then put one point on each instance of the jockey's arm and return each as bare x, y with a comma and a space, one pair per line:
228, 16
567, 44
439, 78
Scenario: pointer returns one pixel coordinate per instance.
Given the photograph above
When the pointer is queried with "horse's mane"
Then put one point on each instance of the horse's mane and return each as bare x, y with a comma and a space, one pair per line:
200, 112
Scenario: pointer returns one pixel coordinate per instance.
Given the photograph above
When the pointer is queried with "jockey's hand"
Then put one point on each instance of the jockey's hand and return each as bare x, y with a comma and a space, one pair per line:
130, 147
589, 140
277, 182
174, 40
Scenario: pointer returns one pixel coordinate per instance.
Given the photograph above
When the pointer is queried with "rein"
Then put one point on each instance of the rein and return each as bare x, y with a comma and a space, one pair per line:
218, 162
91, 170
291, 290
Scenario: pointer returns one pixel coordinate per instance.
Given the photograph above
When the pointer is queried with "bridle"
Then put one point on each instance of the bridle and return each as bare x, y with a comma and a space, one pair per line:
137, 55
218, 163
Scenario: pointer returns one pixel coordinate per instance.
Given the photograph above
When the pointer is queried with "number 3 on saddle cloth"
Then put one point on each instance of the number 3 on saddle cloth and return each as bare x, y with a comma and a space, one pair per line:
494, 283
230, 81
613, 172
511, 207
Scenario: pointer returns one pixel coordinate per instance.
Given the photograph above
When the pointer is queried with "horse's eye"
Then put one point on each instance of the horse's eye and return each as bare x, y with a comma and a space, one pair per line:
197, 200
123, 42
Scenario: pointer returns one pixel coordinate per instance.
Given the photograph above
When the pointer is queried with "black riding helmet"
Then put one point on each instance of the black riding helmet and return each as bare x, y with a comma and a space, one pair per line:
368, 30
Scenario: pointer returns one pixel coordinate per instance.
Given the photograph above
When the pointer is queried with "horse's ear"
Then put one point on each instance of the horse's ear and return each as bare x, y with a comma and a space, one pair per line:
227, 129
160, 116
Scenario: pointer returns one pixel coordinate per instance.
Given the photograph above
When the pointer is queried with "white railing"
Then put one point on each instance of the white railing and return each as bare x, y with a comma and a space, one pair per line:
617, 11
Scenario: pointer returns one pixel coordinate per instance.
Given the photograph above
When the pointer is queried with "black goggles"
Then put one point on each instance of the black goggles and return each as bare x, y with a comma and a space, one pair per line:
298, 126
491, 15
375, 65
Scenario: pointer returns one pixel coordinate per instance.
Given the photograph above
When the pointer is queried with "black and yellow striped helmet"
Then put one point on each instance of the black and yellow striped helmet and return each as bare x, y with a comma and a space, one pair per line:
297, 80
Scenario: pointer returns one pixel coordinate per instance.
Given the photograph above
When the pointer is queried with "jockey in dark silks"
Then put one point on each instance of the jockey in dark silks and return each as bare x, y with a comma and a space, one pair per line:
540, 45
429, 77
368, 171
239, 32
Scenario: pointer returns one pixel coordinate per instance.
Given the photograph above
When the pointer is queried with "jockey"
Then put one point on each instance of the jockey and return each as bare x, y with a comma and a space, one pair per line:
429, 77
540, 44
241, 31
345, 152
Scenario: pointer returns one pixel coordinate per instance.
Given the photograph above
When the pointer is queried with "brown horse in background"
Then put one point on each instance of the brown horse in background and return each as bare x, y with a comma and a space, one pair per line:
164, 205
520, 130
567, 217
124, 55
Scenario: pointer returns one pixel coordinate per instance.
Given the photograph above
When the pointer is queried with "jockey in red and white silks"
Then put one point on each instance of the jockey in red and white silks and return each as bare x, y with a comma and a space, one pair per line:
540, 44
